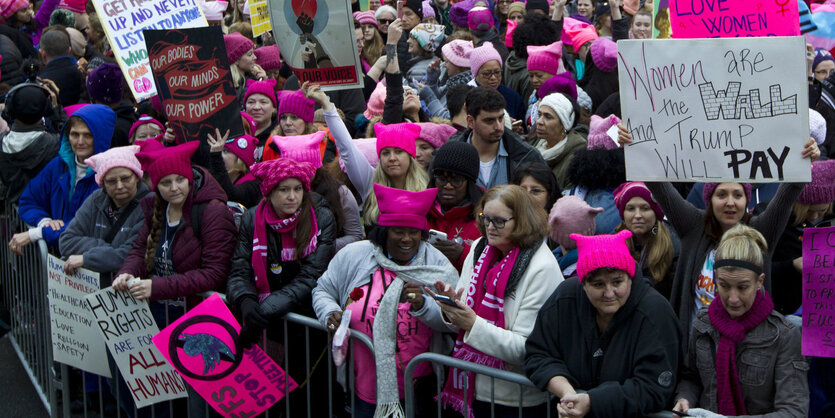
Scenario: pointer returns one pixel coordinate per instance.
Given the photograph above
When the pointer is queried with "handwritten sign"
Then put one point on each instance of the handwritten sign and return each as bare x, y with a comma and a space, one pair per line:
75, 339
734, 18
316, 39
124, 21
713, 110
819, 292
128, 327
259, 17
203, 347
191, 72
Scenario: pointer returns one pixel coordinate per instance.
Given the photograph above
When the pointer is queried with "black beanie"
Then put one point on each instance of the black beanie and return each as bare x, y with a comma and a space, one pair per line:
538, 4
457, 157
28, 104
416, 6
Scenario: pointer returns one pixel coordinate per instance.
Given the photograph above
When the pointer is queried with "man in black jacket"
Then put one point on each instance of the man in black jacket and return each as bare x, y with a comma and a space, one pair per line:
500, 150
60, 66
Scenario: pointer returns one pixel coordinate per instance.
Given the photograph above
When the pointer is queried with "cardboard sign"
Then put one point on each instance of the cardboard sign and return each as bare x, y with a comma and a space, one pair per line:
123, 22
75, 339
127, 327
818, 332
203, 347
316, 39
259, 17
191, 72
734, 18
714, 110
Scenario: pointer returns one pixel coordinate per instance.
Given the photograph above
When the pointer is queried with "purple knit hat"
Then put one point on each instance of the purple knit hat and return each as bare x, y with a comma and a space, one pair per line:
571, 215
428, 11
105, 83
236, 46
295, 103
822, 187
626, 191
602, 251
560, 83
265, 87
604, 53
598, 138
269, 57
480, 19
458, 12
821, 55
707, 192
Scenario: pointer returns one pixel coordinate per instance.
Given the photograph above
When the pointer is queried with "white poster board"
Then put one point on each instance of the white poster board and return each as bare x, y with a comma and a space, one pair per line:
75, 339
128, 326
713, 110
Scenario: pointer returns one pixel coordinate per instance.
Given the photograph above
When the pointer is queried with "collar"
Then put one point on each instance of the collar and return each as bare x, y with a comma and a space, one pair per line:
17, 127
502, 150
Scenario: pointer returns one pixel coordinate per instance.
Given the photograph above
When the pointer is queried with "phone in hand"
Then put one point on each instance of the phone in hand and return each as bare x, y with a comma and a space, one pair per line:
435, 236
399, 9
446, 300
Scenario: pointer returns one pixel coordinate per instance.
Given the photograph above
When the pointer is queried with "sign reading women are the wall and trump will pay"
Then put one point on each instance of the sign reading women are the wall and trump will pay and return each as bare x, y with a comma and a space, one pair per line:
712, 110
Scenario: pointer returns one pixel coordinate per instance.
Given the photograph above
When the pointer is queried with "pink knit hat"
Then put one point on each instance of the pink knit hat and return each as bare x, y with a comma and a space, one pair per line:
244, 148
376, 102
428, 11
273, 172
268, 57
169, 160
481, 55
148, 145
248, 121
458, 52
265, 87
213, 10
570, 215
580, 35
602, 251
144, 119
631, 6
822, 187
598, 138
76, 6
547, 59
365, 18
436, 134
709, 188
295, 103
402, 207
125, 157
626, 191
301, 148
69, 110
236, 46
10, 7
604, 53
480, 19
397, 135
368, 148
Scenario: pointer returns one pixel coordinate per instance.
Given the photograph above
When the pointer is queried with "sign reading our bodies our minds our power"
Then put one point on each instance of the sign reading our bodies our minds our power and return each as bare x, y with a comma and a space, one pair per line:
712, 110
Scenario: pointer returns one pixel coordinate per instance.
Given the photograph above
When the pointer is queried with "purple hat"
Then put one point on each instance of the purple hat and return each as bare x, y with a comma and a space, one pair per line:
707, 192
822, 187
604, 53
561, 83
458, 13
626, 191
428, 11
821, 55
104, 83
598, 138
480, 19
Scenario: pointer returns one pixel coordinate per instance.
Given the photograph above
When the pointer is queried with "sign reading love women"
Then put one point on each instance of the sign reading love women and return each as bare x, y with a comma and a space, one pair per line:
713, 110
819, 292
124, 21
734, 18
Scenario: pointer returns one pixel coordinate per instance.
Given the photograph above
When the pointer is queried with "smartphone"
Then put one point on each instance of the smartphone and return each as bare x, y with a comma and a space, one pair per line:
445, 300
399, 9
435, 236
681, 414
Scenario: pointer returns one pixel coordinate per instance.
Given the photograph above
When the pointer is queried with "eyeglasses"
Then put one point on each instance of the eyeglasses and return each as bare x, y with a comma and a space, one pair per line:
385, 21
456, 181
491, 74
497, 222
113, 182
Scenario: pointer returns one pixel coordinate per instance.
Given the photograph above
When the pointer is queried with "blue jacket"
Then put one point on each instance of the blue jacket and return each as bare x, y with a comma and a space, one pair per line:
53, 193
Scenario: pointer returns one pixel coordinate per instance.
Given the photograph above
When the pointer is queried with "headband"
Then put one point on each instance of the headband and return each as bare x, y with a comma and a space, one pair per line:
738, 263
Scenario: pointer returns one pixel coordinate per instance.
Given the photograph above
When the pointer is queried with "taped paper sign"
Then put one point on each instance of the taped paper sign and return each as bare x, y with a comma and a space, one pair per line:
203, 347
713, 110
127, 327
259, 17
75, 338
818, 334
734, 18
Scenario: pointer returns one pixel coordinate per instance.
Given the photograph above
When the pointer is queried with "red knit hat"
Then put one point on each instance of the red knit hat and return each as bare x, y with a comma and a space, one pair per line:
265, 87
167, 161
269, 57
148, 145
822, 187
403, 208
547, 58
709, 188
143, 120
243, 147
294, 102
397, 135
236, 46
273, 172
626, 191
602, 251
77, 6
301, 148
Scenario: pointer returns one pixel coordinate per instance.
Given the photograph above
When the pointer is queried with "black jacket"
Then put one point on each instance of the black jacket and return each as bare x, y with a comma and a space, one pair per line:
125, 117
628, 370
64, 72
18, 168
291, 289
11, 68
21, 39
403, 55
518, 152
247, 193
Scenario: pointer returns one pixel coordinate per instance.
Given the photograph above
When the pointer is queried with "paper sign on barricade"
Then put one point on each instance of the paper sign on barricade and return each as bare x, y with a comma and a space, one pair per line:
818, 332
128, 326
259, 17
123, 22
75, 338
713, 110
733, 18
203, 347
316, 39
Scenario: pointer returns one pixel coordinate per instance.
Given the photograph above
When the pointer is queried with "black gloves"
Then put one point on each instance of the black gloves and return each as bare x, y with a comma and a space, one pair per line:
254, 322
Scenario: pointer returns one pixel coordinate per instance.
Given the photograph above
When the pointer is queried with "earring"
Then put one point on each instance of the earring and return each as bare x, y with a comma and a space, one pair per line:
654, 230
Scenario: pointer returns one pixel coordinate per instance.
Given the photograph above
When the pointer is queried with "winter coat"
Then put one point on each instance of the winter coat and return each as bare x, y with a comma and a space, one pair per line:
23, 44
458, 222
417, 69
772, 371
40, 21
629, 369
296, 279
689, 223
202, 264
247, 193
54, 193
518, 151
85, 234
514, 104
64, 72
125, 117
11, 68
516, 75
18, 168
559, 165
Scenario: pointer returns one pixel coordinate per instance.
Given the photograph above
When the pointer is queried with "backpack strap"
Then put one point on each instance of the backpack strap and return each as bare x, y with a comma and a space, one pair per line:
123, 217
197, 218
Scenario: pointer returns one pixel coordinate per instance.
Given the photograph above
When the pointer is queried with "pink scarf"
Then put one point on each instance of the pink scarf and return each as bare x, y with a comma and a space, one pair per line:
245, 178
286, 227
485, 295
732, 332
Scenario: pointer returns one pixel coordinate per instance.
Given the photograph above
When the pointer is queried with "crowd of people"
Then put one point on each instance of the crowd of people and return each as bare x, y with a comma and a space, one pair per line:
468, 201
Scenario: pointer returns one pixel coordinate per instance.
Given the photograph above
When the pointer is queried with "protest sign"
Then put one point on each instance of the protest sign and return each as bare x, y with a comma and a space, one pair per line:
818, 332
661, 28
75, 339
123, 22
127, 327
259, 17
733, 18
203, 347
714, 110
191, 72
317, 41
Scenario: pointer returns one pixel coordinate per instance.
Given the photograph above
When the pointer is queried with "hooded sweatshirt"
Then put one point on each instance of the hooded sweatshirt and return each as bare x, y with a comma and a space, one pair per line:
24, 152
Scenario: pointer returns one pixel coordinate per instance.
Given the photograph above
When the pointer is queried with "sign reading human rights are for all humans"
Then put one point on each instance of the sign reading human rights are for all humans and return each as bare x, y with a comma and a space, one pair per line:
734, 18
75, 338
128, 327
713, 110
819, 292
123, 22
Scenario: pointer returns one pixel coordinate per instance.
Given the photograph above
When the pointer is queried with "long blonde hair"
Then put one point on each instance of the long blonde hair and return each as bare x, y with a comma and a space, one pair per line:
659, 250
416, 180
801, 210
372, 50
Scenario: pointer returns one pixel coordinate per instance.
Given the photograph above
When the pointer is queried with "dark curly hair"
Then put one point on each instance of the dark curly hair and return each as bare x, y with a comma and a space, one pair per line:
597, 168
536, 30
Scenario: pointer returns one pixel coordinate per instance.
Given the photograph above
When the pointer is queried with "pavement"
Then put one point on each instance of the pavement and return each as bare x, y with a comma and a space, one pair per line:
20, 398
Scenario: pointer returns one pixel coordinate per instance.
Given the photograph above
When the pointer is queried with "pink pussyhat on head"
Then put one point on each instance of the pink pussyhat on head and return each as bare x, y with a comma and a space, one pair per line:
402, 207
602, 251
547, 58
125, 157
273, 172
397, 135
301, 148
170, 160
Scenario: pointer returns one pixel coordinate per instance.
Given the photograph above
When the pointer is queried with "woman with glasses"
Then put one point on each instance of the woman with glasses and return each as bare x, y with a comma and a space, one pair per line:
823, 64
486, 66
507, 276
385, 15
